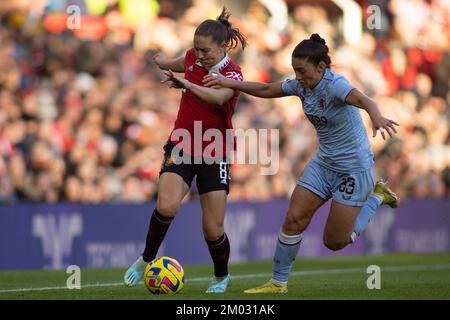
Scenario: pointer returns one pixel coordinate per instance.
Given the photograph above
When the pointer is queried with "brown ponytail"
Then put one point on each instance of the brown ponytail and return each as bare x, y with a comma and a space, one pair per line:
221, 30
313, 49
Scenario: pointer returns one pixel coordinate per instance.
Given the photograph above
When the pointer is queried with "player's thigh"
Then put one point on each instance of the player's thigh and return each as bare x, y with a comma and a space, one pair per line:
302, 206
339, 225
353, 189
171, 190
213, 177
213, 205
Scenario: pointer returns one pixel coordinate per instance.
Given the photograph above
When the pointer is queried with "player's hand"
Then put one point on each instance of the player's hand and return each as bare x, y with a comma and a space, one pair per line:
158, 59
174, 81
216, 81
383, 124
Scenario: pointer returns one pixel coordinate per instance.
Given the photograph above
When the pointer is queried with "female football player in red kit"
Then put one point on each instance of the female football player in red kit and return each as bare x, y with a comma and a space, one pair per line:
201, 109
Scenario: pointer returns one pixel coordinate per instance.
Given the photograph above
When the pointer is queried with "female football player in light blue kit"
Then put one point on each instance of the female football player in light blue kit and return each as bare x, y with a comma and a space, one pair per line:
341, 169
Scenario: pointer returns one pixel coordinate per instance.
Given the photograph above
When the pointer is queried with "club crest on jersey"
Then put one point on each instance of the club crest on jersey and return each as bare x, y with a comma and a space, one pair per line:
169, 161
191, 68
322, 103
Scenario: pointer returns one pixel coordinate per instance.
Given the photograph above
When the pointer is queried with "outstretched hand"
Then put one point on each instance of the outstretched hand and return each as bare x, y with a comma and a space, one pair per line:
174, 81
158, 59
384, 124
215, 80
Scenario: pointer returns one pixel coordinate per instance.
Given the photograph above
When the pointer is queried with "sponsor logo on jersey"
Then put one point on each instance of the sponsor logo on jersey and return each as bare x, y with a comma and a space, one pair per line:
233, 75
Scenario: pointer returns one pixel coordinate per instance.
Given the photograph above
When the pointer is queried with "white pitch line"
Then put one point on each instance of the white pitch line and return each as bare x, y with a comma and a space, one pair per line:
420, 267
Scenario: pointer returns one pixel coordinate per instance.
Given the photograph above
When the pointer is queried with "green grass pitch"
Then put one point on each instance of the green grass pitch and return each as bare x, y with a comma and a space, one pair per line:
403, 276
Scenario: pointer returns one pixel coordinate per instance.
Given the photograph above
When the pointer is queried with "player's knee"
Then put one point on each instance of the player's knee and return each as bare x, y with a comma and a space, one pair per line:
295, 224
334, 244
212, 231
212, 236
168, 208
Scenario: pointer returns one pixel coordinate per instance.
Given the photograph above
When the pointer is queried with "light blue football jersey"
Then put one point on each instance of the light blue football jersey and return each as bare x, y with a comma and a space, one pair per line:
343, 142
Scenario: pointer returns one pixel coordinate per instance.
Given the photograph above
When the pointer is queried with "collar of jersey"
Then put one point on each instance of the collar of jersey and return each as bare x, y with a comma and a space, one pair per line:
218, 66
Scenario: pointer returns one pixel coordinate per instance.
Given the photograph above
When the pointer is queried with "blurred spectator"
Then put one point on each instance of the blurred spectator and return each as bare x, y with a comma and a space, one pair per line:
84, 120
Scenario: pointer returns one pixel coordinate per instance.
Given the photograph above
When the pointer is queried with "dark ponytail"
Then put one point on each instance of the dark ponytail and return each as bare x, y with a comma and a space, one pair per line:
221, 30
313, 49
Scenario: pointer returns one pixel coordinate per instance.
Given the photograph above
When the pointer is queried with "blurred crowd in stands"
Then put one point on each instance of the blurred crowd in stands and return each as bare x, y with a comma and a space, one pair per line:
84, 117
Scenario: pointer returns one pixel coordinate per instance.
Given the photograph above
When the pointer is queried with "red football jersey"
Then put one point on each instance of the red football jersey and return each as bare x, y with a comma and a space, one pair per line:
211, 116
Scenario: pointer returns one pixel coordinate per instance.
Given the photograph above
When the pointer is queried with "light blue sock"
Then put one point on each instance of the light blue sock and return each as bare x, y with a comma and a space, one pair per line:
285, 253
366, 214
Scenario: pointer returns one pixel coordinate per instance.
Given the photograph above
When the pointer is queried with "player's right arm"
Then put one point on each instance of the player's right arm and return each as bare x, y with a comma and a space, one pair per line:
174, 64
257, 89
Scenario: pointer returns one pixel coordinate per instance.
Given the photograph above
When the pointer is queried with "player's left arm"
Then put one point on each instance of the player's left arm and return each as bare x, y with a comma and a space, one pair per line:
360, 100
208, 95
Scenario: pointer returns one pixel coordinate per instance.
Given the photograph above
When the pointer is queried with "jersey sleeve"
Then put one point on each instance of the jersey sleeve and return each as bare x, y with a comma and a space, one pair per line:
290, 87
341, 88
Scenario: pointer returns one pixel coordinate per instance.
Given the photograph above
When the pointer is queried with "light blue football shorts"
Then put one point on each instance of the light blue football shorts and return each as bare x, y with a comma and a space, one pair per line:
351, 189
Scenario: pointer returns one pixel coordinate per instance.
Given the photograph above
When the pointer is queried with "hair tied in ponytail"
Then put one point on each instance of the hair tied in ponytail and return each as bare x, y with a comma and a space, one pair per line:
314, 49
316, 38
224, 22
221, 30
